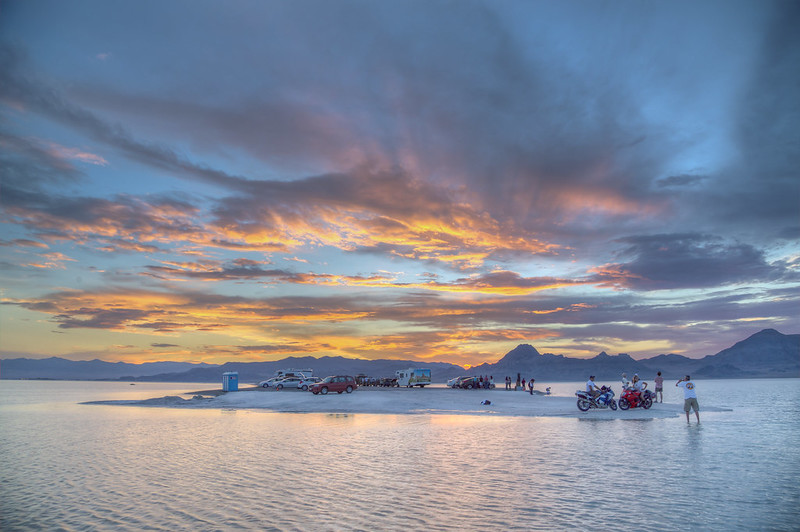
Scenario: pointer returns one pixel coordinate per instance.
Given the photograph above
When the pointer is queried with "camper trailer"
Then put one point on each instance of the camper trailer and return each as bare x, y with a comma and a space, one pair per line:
413, 377
293, 372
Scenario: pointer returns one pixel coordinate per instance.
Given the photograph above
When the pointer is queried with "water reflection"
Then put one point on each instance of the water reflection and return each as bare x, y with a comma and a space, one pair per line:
94, 467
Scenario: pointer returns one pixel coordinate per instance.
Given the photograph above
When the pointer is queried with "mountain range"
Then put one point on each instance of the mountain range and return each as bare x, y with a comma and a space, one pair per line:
765, 354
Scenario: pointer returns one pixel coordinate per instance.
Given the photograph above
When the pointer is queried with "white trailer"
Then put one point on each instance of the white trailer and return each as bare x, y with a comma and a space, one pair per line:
294, 372
413, 377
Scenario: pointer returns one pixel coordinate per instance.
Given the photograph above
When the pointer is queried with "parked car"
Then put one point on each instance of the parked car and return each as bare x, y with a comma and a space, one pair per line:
289, 382
270, 382
453, 383
308, 382
469, 383
335, 383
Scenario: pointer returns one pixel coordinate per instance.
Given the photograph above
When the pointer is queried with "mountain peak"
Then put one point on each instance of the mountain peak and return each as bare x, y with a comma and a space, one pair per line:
766, 333
521, 353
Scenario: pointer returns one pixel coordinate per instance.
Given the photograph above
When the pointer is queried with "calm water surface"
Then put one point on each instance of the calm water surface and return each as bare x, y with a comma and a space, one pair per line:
67, 466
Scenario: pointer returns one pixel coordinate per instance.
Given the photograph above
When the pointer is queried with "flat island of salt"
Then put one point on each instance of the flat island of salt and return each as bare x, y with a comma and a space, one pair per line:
410, 401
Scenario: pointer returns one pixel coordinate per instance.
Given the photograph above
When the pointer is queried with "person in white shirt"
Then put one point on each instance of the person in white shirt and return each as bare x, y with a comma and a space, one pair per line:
592, 388
689, 397
625, 382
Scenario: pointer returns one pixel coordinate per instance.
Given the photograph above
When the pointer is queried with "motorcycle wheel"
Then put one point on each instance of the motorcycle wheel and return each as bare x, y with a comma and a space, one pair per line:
647, 403
584, 405
624, 404
613, 404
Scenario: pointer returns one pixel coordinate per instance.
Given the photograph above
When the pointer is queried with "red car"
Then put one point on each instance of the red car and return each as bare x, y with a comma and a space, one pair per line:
335, 383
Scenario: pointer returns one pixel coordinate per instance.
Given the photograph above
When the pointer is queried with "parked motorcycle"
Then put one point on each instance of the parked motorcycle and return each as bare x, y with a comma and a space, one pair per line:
632, 398
604, 400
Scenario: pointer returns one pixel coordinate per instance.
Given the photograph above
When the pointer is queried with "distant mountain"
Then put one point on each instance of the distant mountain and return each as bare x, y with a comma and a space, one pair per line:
60, 368
252, 372
765, 354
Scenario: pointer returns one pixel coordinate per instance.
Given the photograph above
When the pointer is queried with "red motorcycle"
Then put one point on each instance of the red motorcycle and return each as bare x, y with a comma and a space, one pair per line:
632, 398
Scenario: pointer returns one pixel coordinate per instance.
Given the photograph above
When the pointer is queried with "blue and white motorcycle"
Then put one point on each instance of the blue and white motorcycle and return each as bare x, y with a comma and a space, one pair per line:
604, 400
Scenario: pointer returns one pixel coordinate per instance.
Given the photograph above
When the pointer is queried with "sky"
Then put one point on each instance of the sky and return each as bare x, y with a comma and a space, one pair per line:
209, 181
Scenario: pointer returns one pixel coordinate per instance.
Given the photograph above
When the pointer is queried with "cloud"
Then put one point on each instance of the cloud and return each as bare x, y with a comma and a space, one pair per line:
371, 325
688, 260
536, 171
18, 89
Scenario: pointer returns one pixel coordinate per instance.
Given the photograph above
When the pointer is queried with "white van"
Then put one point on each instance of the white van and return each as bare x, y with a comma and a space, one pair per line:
413, 377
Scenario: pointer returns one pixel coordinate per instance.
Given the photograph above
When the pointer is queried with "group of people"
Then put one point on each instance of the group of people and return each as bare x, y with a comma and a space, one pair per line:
520, 384
689, 393
485, 382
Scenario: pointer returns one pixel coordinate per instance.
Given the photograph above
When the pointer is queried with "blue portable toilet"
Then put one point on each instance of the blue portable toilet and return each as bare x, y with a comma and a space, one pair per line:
230, 381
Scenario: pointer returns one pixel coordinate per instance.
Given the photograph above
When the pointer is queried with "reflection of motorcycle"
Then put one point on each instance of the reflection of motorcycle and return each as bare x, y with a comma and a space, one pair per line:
632, 398
604, 400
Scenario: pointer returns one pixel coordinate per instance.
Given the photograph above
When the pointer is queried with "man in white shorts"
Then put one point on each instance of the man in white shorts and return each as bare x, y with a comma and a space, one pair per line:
689, 397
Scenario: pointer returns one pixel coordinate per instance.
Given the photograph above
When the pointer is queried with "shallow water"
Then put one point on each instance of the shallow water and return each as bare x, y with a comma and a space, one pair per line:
67, 466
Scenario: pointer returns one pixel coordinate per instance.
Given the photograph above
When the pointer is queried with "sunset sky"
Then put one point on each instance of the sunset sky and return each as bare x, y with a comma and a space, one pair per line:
213, 181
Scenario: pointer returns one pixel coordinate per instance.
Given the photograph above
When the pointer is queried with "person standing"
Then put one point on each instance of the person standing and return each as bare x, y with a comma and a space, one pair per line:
530, 385
689, 397
659, 380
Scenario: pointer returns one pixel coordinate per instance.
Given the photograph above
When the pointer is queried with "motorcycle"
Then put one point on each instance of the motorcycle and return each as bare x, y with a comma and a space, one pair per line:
604, 400
632, 398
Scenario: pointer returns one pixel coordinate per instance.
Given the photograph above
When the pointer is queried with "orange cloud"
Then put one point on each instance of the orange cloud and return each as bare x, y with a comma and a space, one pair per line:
278, 327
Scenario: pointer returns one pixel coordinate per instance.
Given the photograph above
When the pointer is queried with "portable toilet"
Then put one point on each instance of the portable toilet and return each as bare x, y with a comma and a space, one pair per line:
230, 381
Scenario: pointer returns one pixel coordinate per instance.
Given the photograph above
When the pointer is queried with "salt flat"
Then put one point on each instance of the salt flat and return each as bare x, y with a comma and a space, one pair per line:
441, 401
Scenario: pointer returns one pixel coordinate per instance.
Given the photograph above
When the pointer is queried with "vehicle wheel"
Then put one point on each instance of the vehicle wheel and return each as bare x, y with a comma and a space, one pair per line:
584, 405
324, 390
315, 393
624, 404
647, 403
469, 386
305, 387
279, 387
265, 385
349, 389
612, 404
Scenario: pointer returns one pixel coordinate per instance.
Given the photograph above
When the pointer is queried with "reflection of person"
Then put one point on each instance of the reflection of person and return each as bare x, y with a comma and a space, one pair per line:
689, 397
659, 380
